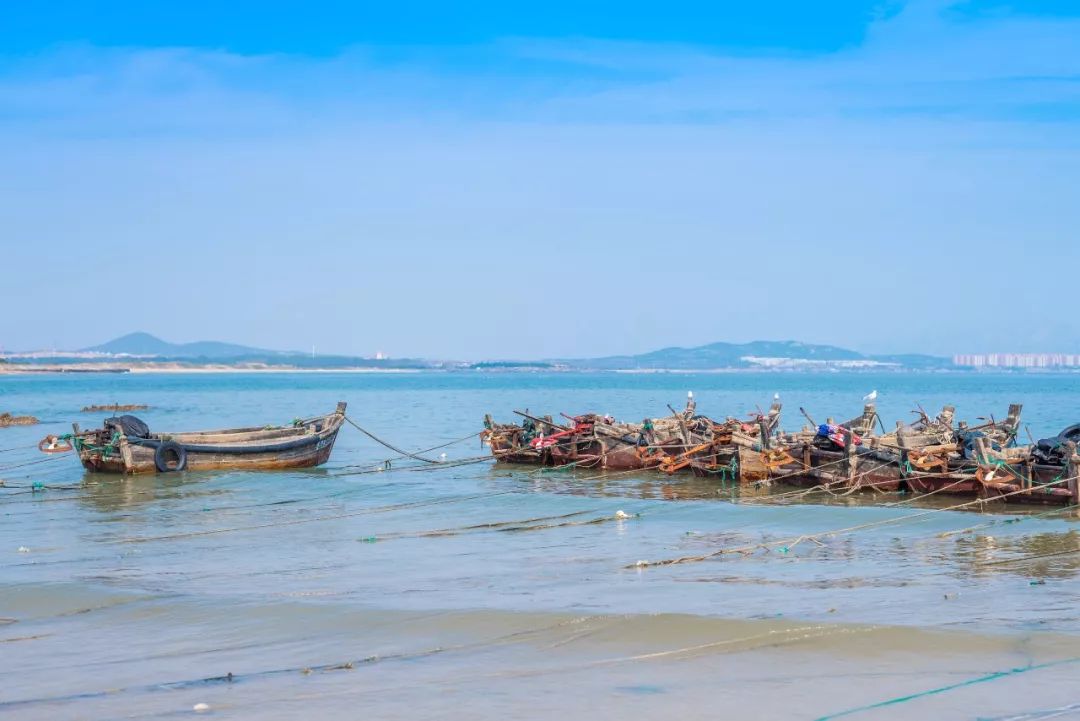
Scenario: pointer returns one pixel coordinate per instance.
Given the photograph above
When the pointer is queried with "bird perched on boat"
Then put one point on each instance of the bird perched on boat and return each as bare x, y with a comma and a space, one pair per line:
871, 396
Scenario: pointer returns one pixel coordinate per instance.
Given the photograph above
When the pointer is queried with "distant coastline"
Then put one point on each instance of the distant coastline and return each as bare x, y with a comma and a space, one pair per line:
167, 368
163, 368
142, 352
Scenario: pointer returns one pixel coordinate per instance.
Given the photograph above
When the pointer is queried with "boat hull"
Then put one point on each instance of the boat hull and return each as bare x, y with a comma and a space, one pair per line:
270, 448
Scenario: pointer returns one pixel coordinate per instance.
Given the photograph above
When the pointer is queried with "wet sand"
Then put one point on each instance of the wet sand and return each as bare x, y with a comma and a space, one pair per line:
292, 659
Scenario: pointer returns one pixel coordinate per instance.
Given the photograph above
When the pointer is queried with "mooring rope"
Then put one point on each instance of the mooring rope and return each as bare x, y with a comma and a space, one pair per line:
1003, 521
425, 450
792, 541
18, 448
1046, 713
460, 530
392, 447
30, 463
316, 519
530, 524
950, 687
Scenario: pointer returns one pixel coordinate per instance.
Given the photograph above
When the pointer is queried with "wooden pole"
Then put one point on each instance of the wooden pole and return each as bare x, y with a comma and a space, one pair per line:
902, 442
981, 455
1072, 469
541, 420
852, 460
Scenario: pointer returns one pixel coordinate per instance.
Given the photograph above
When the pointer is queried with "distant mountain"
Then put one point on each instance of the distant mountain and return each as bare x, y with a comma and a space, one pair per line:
148, 345
787, 353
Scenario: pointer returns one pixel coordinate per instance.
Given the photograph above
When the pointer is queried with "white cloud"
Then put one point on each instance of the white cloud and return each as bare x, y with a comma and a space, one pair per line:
447, 202
923, 61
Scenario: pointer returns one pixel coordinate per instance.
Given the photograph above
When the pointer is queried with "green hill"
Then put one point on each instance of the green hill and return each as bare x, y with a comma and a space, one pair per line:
735, 355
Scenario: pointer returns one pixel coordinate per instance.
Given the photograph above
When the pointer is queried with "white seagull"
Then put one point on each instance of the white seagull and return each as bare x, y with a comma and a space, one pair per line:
872, 396
690, 395
776, 396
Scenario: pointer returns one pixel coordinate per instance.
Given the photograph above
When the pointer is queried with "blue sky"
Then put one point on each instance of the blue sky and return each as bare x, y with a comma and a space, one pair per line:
562, 180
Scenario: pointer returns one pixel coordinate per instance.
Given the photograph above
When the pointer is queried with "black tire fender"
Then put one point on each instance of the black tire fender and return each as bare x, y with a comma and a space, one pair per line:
1072, 433
170, 457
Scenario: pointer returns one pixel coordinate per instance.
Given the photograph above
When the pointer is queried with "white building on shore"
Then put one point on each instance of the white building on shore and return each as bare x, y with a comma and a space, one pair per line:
1018, 360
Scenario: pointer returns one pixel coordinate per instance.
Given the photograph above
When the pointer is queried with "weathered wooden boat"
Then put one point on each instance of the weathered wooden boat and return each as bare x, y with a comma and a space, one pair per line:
601, 442
125, 445
683, 440
840, 455
604, 443
1025, 474
591, 440
937, 458
927, 456
930, 455
741, 451
513, 443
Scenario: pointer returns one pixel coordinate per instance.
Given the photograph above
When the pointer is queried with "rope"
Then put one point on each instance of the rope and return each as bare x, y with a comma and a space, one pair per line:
394, 448
438, 465
791, 542
942, 689
31, 463
906, 501
460, 530
298, 521
820, 487
425, 450
18, 448
1000, 521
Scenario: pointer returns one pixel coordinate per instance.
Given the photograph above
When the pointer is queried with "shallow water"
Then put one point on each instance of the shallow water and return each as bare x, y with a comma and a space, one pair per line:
481, 591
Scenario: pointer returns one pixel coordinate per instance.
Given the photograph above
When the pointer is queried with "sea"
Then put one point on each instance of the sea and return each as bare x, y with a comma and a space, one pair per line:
385, 587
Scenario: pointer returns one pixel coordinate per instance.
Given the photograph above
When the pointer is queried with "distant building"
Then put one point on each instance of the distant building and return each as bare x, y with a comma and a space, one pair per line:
1018, 360
767, 362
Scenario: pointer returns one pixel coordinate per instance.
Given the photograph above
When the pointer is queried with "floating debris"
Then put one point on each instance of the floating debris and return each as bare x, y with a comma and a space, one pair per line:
115, 407
7, 420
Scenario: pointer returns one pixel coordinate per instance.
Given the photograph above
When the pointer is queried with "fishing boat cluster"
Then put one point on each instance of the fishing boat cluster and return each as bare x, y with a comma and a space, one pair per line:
932, 455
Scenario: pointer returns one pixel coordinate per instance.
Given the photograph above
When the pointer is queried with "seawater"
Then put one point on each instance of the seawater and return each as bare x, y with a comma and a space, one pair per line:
485, 591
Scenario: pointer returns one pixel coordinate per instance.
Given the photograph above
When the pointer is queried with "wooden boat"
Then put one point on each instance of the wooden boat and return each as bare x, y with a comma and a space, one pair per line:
840, 455
590, 440
1019, 475
930, 455
683, 440
125, 445
512, 443
937, 458
736, 450
601, 442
